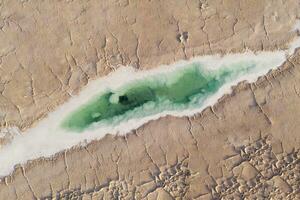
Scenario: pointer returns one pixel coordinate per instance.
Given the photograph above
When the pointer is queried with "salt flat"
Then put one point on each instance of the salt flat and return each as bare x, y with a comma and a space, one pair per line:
55, 56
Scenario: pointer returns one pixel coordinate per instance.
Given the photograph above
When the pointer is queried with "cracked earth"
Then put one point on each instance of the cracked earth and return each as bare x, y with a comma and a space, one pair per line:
171, 158
244, 147
50, 50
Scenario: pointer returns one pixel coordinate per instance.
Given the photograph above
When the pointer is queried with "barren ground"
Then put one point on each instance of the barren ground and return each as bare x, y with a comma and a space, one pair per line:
245, 146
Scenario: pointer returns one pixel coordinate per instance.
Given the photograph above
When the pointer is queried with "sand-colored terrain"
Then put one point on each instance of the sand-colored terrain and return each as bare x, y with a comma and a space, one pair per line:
246, 146
50, 49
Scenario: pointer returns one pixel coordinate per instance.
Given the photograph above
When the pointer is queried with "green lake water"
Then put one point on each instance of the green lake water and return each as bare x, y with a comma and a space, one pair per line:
185, 87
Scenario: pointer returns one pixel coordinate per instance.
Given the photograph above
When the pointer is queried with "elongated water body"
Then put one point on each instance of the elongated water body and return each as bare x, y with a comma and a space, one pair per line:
188, 85
126, 99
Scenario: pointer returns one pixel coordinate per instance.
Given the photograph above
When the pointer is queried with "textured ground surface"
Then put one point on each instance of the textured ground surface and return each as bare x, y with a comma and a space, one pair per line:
246, 146
50, 49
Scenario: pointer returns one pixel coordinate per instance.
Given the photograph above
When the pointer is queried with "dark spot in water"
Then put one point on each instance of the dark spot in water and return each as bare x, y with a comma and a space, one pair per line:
123, 99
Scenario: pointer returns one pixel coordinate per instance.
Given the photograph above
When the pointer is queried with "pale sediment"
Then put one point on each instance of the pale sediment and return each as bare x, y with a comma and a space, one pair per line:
55, 52
245, 146
187, 87
209, 78
251, 132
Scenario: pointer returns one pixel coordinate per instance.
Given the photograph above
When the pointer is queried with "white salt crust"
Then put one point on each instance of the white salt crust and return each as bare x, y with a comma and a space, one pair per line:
47, 138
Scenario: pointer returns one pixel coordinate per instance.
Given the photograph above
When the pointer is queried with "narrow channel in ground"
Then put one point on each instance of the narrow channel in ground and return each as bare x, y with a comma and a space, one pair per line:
184, 88
126, 99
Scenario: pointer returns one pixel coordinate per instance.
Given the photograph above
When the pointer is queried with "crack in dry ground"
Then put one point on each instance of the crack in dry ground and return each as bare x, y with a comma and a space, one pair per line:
85, 50
246, 146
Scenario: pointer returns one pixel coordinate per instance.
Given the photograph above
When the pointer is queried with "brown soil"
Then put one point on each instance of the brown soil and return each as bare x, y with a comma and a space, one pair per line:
50, 49
244, 147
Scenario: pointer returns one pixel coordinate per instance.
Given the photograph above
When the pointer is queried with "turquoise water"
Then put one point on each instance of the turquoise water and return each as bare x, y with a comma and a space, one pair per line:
186, 87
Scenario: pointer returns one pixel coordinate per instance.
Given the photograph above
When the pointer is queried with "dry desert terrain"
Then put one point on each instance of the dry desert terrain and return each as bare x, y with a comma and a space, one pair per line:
244, 147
